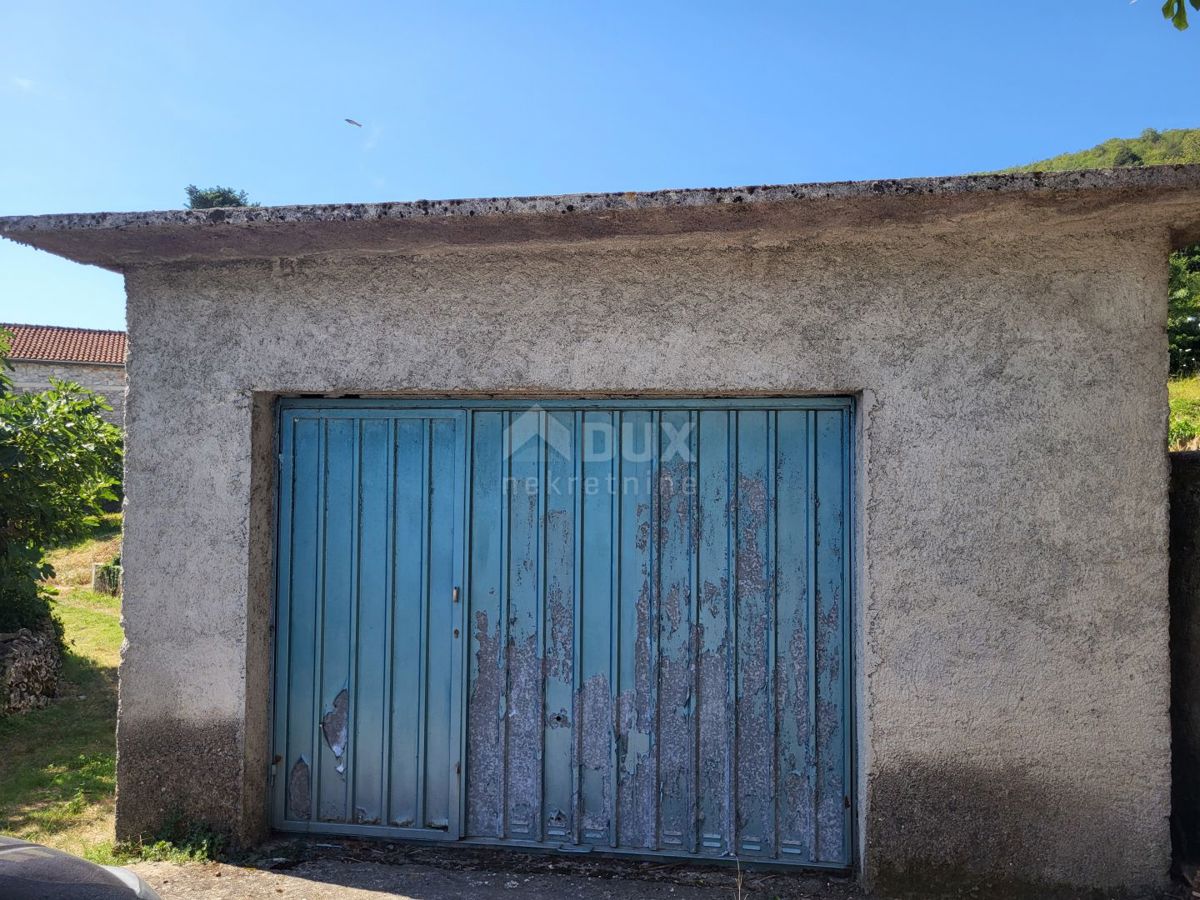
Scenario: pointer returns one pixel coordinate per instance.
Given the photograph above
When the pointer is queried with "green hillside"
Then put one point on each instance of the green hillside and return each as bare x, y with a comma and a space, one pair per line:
1152, 148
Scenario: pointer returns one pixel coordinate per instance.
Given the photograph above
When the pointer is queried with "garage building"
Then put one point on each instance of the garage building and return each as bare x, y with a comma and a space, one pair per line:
813, 525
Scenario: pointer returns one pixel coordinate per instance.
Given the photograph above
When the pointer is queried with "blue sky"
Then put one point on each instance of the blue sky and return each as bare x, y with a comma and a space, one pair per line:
117, 106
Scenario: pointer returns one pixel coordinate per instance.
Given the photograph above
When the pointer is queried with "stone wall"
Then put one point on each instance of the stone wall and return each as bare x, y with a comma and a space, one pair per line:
107, 381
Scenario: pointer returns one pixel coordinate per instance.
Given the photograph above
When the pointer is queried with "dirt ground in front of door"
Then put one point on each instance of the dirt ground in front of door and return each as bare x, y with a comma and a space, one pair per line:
365, 871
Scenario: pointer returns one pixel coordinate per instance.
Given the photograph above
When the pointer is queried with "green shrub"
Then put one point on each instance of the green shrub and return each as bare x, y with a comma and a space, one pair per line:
1183, 312
177, 841
58, 462
1183, 431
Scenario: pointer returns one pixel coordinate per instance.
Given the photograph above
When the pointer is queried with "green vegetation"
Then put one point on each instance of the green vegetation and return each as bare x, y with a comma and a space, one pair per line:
1151, 148
1183, 311
58, 463
1176, 11
178, 842
1185, 413
210, 198
57, 765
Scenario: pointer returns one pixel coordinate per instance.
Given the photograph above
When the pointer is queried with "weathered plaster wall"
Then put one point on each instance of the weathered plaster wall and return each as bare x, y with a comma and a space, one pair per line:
1012, 586
107, 381
1185, 653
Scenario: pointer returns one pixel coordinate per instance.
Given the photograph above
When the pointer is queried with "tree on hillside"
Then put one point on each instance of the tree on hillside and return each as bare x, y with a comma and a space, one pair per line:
58, 462
209, 198
1127, 156
1176, 11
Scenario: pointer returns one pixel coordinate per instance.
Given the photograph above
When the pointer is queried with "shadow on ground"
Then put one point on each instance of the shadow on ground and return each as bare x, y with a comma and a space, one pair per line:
354, 870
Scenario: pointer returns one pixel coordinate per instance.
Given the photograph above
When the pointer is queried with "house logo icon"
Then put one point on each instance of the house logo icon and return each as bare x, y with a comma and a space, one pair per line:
534, 424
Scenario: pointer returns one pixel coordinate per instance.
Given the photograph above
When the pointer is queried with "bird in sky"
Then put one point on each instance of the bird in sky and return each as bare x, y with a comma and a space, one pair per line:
355, 124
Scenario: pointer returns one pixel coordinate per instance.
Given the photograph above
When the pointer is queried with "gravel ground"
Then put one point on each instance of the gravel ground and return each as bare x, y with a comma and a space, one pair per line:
364, 872
341, 880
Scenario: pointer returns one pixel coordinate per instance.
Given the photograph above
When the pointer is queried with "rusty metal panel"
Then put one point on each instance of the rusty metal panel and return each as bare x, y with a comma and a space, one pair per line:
654, 605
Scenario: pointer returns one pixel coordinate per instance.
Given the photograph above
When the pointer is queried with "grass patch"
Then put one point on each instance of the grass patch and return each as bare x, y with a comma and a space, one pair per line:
1184, 429
73, 563
179, 842
58, 764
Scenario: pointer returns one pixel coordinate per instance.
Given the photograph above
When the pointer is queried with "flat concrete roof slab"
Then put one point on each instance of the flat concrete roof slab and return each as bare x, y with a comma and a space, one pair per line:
1166, 196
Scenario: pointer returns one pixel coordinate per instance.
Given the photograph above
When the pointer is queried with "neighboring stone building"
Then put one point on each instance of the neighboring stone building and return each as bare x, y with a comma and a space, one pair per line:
821, 525
90, 357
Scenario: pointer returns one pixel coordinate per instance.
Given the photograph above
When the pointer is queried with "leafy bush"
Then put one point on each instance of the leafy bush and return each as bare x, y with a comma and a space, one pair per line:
1183, 431
1127, 156
58, 462
1183, 312
210, 198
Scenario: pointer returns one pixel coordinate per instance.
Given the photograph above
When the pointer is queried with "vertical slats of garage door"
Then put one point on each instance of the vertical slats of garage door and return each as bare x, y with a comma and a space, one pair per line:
659, 657
440, 738
523, 742
409, 518
337, 605
675, 535
796, 754
299, 561
594, 722
637, 598
715, 697
663, 669
373, 670
754, 635
486, 588
370, 543
558, 556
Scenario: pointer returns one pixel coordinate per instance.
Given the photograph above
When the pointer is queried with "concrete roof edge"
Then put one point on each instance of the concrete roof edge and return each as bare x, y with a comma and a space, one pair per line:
1131, 178
112, 239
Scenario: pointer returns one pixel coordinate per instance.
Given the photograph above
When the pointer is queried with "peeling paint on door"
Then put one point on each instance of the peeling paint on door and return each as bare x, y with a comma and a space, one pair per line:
654, 603
678, 617
335, 726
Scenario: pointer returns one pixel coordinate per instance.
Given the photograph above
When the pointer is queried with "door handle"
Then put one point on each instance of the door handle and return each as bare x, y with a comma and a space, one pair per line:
454, 594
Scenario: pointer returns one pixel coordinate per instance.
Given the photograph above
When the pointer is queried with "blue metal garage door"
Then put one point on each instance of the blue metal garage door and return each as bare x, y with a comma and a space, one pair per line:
367, 730
616, 625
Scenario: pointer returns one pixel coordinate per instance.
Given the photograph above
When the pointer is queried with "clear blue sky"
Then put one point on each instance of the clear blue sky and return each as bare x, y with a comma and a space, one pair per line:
117, 106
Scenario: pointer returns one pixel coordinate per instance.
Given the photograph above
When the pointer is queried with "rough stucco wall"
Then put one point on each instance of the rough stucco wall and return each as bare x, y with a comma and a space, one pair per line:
1012, 614
1185, 652
107, 381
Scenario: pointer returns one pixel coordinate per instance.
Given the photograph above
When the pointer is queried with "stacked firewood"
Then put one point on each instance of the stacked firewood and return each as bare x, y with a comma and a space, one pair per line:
30, 666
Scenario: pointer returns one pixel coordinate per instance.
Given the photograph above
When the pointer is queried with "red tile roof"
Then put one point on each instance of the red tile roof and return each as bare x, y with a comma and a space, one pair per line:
54, 343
